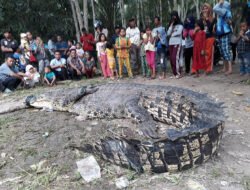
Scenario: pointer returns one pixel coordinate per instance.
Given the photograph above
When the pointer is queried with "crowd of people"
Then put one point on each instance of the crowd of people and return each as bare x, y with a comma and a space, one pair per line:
189, 46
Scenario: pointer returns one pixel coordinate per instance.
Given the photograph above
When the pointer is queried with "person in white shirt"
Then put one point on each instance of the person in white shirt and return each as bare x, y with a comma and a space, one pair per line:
175, 43
133, 33
58, 65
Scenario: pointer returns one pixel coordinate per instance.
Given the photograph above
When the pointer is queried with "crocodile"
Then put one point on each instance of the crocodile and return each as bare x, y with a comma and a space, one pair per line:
171, 129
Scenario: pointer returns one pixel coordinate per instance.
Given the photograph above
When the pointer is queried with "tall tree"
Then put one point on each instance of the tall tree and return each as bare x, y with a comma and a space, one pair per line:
78, 13
75, 20
160, 4
138, 13
121, 3
197, 8
93, 11
85, 14
142, 13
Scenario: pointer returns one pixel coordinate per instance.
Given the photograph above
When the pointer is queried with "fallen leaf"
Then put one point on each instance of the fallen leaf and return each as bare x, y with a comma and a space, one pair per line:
238, 93
247, 109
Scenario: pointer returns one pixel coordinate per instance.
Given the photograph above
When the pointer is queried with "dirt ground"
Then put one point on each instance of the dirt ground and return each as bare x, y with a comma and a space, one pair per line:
29, 137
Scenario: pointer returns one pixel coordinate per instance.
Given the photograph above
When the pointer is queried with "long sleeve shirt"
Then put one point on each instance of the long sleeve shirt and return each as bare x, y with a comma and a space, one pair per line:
224, 15
175, 33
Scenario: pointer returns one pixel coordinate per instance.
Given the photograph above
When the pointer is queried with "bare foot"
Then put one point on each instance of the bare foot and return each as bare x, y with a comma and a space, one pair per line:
228, 73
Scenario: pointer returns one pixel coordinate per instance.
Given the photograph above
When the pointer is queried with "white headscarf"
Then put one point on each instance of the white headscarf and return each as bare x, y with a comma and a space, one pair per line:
28, 67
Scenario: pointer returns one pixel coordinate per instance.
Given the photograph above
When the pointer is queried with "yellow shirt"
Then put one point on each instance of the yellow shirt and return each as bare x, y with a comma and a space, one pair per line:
110, 53
123, 43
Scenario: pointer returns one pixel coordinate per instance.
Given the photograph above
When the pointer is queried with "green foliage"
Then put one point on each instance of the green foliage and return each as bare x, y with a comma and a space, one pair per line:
40, 17
55, 16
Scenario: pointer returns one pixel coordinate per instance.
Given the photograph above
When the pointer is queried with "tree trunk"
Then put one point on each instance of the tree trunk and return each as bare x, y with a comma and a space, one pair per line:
175, 7
138, 13
161, 9
122, 12
183, 10
169, 7
78, 13
197, 7
93, 11
85, 13
75, 20
142, 13
114, 17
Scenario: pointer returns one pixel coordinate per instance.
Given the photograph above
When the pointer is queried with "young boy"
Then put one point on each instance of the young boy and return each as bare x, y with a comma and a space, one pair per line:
144, 64
243, 49
49, 77
89, 64
123, 45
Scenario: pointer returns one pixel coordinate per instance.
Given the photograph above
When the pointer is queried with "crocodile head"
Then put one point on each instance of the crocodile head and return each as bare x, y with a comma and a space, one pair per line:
59, 100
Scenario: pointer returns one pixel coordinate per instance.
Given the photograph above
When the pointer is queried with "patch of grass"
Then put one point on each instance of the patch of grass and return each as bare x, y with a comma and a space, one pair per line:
216, 173
246, 182
39, 181
63, 169
4, 121
5, 133
30, 151
230, 173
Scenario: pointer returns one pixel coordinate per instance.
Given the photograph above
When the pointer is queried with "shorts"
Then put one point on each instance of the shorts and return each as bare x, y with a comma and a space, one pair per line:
225, 47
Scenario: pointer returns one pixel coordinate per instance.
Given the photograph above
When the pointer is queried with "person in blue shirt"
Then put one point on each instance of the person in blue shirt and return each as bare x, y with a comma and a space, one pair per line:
161, 45
223, 32
10, 77
61, 46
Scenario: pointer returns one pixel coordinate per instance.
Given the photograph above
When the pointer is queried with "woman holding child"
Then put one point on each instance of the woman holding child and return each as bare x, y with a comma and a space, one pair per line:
209, 24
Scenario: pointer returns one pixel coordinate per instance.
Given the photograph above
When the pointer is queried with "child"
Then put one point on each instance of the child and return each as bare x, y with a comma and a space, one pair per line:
144, 64
123, 45
25, 45
111, 60
199, 37
149, 40
79, 51
32, 76
49, 77
102, 56
243, 49
89, 64
20, 60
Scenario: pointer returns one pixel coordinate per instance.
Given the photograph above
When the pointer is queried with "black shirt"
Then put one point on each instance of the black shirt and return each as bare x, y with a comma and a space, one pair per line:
209, 28
9, 44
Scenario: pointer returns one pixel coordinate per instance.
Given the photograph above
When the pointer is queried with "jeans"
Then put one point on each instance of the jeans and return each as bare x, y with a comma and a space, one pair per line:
244, 60
61, 75
11, 83
161, 58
